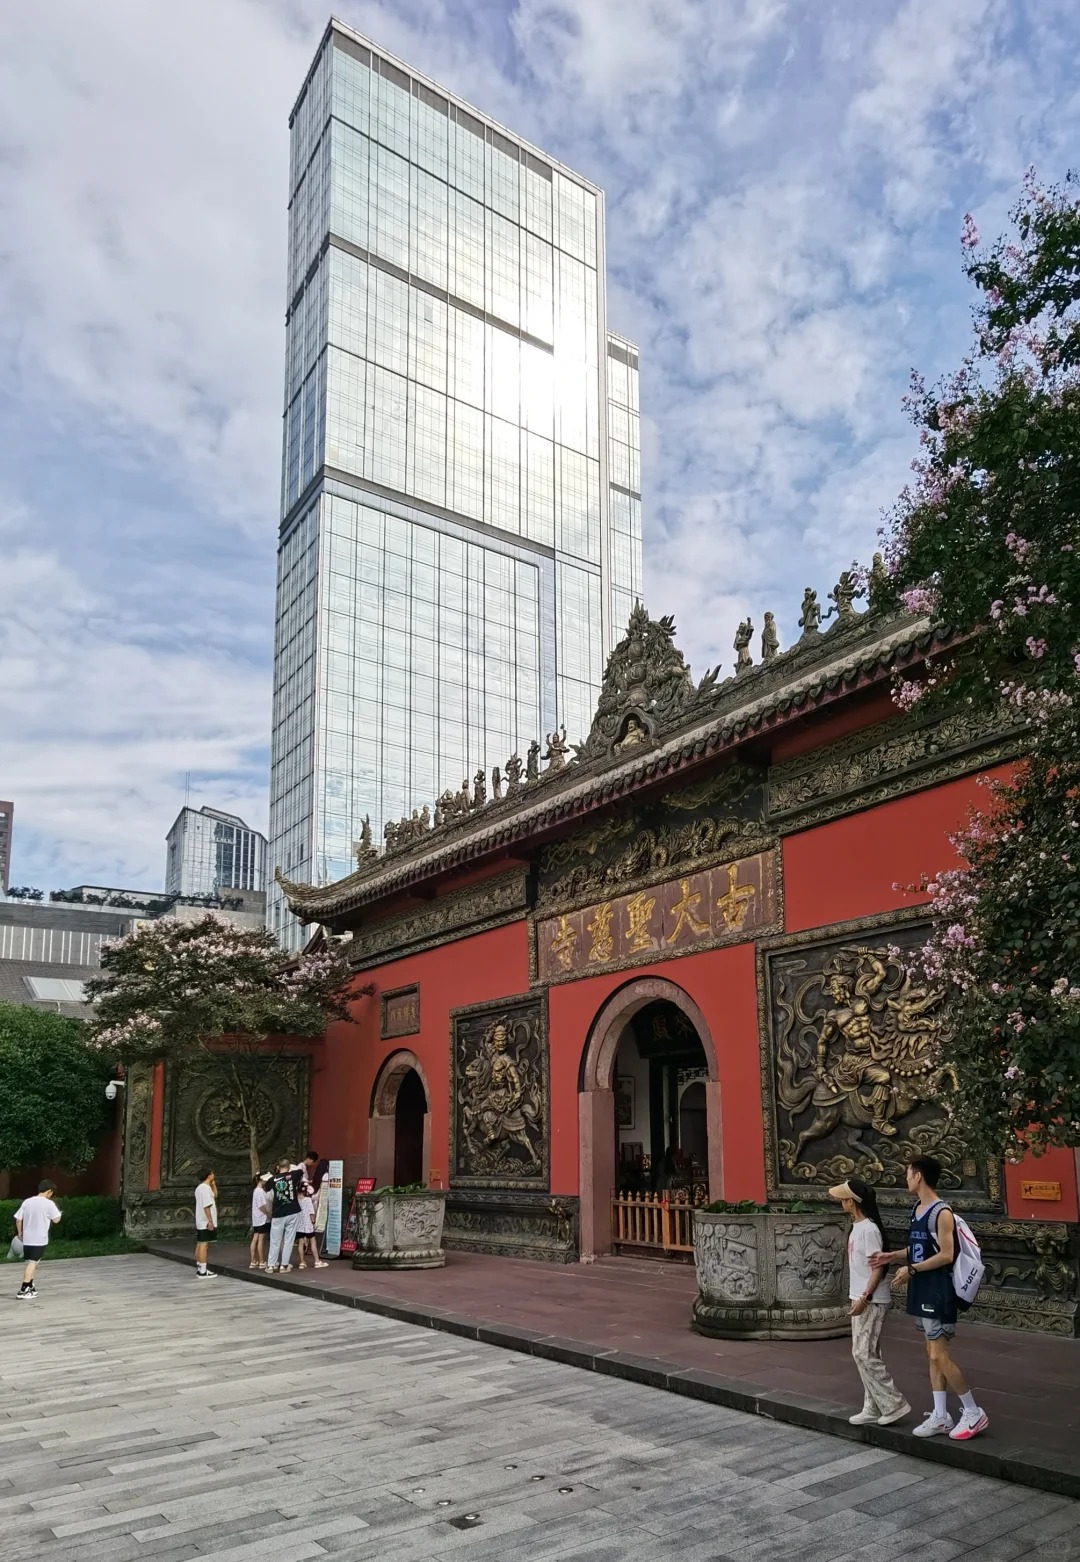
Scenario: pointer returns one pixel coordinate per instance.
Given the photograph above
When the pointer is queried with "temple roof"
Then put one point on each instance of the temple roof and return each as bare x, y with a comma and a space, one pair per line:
651, 720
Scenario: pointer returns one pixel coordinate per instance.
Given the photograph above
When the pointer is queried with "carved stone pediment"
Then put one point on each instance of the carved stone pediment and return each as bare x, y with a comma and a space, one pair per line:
713, 821
647, 689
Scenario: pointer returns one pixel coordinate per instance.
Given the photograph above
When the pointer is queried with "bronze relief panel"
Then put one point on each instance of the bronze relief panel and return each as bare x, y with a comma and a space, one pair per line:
203, 1125
853, 1082
500, 1099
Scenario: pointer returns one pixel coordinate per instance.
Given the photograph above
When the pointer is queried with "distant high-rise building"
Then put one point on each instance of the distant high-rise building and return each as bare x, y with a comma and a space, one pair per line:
210, 853
7, 820
460, 541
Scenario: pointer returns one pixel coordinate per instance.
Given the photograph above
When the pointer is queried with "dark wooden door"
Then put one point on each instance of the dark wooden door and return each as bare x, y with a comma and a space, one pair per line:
409, 1116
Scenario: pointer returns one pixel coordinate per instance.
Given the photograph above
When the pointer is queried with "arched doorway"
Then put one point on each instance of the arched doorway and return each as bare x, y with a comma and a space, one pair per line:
410, 1110
399, 1124
649, 1103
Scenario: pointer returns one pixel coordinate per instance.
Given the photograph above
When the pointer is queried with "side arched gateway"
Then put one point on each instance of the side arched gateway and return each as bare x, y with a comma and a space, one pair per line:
649, 1060
399, 1122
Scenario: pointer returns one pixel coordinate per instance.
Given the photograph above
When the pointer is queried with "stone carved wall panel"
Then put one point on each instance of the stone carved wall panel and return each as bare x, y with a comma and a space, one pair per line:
202, 1122
688, 829
499, 1106
853, 1081
138, 1104
895, 757
729, 1253
460, 915
810, 1262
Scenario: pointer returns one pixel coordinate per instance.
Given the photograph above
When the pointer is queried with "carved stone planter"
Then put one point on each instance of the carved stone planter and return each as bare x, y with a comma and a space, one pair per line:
771, 1276
400, 1231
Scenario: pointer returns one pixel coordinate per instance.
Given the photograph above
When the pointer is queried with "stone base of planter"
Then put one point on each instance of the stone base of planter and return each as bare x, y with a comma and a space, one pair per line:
400, 1230
726, 1322
404, 1259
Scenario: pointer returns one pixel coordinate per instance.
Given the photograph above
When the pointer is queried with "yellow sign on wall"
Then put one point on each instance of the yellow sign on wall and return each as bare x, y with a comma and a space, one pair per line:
1050, 1191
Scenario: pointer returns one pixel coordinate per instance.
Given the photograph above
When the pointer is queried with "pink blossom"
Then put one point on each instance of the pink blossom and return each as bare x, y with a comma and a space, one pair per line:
969, 234
920, 599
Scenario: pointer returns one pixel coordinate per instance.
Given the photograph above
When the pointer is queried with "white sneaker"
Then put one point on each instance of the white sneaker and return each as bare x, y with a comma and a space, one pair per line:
895, 1415
206, 1274
26, 1296
970, 1424
934, 1425
864, 1417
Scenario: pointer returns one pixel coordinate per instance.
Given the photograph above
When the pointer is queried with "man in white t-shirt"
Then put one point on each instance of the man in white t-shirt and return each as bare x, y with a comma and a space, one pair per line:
34, 1219
205, 1222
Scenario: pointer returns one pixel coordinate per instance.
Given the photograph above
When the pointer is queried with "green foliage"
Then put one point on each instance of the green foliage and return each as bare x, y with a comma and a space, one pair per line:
52, 1090
86, 1247
406, 1187
85, 1217
988, 540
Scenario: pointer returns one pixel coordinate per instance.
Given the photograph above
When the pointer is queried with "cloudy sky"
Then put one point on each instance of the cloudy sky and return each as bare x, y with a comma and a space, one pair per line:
785, 180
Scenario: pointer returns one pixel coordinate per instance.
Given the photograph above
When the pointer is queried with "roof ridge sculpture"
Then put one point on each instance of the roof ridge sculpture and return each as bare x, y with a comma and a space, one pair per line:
644, 712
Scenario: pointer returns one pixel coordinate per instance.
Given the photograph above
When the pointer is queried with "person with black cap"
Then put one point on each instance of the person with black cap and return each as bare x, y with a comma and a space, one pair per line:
868, 1288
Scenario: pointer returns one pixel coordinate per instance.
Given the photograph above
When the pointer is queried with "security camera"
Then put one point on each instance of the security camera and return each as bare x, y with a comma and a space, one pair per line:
113, 1089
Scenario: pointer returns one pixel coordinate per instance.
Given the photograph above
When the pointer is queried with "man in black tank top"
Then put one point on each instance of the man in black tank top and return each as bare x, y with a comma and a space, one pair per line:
931, 1300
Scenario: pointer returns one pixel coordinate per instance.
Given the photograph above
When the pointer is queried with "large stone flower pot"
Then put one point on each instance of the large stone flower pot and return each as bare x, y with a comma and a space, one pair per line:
771, 1276
400, 1231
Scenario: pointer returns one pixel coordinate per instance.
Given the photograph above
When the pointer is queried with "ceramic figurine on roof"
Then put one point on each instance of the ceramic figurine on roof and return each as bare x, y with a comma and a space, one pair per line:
364, 849
647, 680
770, 640
743, 635
810, 617
843, 596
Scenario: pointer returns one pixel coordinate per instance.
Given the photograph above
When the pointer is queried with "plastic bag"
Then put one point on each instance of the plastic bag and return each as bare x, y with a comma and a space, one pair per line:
16, 1248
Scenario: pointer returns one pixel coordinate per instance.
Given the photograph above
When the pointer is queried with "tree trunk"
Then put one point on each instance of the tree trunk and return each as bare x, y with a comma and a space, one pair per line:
253, 1142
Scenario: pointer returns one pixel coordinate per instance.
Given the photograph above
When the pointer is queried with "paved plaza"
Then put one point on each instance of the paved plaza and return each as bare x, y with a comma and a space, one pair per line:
144, 1413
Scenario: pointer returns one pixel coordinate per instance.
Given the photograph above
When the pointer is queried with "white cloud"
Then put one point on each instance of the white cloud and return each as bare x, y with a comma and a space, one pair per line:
785, 186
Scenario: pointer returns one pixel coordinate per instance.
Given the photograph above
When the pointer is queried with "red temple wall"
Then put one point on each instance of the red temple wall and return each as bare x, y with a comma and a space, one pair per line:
722, 984
471, 970
835, 872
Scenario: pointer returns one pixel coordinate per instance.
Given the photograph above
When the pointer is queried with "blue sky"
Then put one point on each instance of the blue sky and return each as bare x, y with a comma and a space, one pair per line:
786, 184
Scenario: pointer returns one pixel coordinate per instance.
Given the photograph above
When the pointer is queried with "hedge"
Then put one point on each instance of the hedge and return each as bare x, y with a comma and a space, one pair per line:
84, 1216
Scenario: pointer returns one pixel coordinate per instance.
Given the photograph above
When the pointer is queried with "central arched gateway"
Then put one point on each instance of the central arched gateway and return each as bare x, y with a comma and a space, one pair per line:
686, 1110
399, 1124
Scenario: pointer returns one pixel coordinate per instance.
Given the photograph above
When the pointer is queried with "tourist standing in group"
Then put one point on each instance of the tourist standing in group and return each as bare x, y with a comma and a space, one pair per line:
262, 1203
318, 1171
305, 1230
931, 1300
34, 1219
868, 1288
285, 1215
205, 1222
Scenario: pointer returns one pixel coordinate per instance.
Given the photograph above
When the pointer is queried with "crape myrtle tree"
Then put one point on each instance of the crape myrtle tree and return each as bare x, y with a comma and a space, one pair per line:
212, 992
987, 540
52, 1090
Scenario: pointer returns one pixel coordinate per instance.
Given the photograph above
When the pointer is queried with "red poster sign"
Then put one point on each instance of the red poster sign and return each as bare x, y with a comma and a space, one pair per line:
348, 1236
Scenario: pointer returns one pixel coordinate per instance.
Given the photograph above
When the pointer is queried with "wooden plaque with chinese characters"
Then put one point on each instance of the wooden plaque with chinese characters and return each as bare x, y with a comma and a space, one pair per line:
723, 905
400, 1013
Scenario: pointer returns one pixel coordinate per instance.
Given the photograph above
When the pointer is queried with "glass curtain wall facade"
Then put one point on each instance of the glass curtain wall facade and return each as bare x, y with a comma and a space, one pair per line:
449, 581
208, 851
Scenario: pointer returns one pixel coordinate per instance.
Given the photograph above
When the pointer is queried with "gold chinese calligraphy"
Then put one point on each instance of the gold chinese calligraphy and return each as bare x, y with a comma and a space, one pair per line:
698, 911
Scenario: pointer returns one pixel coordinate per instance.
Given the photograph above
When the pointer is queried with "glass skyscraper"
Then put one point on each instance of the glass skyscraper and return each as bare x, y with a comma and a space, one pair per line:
460, 540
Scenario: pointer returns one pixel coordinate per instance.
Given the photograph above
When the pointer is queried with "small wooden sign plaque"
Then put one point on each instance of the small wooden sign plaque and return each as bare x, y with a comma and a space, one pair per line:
1050, 1191
400, 1013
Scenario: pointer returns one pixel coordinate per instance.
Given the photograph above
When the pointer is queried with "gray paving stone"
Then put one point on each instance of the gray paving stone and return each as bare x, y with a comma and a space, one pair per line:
302, 1423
